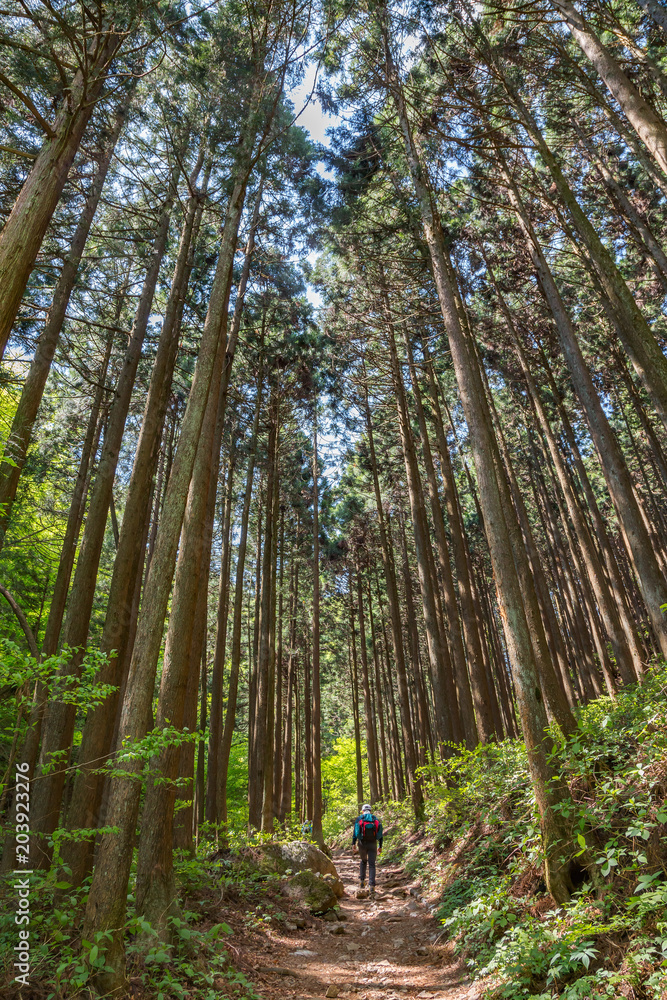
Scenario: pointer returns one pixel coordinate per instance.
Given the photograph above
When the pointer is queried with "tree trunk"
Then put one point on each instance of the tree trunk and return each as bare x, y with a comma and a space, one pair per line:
591, 504
646, 123
279, 701
268, 795
122, 606
24, 230
423, 736
655, 11
260, 753
60, 718
371, 742
354, 685
634, 332
496, 507
200, 783
237, 623
107, 898
316, 716
396, 631
20, 434
628, 660
478, 682
448, 728
286, 776
651, 581
219, 658
454, 634
379, 698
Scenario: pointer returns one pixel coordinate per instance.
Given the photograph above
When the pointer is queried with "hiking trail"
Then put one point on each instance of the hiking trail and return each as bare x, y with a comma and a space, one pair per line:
389, 948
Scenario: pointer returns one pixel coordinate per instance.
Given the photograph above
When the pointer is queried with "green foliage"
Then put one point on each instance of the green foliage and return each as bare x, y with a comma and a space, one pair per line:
487, 871
339, 769
339, 785
20, 673
195, 964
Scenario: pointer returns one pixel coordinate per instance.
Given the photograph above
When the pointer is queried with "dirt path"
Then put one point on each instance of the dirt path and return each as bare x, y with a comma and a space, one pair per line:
383, 949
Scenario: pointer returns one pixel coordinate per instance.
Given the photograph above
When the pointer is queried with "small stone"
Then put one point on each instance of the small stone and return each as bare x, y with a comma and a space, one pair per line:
289, 926
303, 951
421, 951
398, 942
384, 914
330, 915
332, 992
338, 929
300, 922
352, 946
362, 893
341, 916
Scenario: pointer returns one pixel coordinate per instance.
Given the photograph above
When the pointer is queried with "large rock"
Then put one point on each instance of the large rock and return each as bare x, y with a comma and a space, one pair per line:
299, 855
311, 890
315, 883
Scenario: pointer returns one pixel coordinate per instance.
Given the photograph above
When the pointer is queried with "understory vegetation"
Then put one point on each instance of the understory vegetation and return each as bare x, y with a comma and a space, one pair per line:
476, 858
479, 858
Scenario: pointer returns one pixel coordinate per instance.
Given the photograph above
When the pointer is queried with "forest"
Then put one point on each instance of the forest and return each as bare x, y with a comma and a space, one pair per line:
333, 475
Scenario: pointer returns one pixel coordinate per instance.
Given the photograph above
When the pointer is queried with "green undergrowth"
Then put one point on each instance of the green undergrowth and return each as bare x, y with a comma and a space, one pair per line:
196, 964
224, 897
479, 856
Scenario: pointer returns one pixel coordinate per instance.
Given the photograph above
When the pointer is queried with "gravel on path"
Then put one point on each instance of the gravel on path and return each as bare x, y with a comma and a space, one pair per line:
387, 948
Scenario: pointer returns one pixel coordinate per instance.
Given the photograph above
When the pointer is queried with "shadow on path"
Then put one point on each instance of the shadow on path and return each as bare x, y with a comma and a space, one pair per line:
383, 949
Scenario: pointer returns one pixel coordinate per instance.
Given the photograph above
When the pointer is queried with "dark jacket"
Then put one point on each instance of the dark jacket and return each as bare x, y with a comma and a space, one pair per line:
357, 829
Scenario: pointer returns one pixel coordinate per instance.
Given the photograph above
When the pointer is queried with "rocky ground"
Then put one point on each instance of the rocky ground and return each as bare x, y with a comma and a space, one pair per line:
388, 948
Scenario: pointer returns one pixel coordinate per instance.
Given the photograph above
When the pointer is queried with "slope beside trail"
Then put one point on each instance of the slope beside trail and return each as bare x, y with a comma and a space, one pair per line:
389, 948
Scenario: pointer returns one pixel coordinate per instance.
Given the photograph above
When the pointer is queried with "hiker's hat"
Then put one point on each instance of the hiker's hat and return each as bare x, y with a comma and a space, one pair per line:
366, 808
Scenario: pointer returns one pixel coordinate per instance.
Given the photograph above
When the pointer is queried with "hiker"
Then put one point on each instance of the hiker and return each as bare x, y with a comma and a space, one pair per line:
368, 840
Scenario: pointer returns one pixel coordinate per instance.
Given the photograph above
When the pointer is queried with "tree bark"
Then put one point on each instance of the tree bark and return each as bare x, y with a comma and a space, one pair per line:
647, 124
447, 717
60, 718
354, 685
237, 624
396, 631
316, 712
24, 230
378, 693
107, 897
20, 434
634, 332
651, 581
454, 633
496, 507
122, 606
371, 743
655, 11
